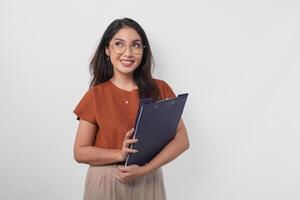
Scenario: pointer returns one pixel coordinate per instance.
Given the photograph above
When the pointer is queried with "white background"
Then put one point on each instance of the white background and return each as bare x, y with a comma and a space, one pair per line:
238, 60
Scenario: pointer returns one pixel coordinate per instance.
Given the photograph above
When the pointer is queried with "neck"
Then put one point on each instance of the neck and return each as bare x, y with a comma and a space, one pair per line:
124, 81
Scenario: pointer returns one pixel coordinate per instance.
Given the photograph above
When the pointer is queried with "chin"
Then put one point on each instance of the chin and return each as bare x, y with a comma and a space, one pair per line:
126, 70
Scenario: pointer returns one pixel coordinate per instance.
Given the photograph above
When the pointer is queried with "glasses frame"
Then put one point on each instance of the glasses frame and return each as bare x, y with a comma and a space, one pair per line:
126, 46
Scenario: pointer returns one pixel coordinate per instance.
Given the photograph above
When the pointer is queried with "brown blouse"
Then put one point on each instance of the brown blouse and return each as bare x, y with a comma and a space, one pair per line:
113, 111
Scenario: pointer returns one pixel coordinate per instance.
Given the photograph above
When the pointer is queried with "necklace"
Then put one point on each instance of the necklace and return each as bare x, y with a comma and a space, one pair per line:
125, 100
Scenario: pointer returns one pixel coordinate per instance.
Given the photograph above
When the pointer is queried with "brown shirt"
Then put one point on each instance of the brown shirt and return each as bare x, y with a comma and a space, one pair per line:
113, 110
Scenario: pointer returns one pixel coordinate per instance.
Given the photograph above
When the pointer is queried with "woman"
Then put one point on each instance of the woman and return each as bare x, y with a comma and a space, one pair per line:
121, 75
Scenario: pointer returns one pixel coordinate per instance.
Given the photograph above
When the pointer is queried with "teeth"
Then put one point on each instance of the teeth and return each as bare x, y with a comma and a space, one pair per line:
127, 62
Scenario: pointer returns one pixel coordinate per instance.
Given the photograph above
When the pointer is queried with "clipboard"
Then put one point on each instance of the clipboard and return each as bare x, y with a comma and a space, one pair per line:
155, 126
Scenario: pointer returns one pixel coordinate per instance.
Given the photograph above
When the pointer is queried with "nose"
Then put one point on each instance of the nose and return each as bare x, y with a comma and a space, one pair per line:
128, 52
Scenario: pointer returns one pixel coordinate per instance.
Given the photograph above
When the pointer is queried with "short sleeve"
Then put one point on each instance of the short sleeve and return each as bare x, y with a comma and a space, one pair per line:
167, 91
86, 108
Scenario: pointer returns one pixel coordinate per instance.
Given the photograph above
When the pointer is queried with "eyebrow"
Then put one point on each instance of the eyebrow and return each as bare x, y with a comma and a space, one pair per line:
124, 40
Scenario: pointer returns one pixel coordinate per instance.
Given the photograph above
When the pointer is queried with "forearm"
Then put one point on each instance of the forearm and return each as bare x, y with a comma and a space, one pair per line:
96, 156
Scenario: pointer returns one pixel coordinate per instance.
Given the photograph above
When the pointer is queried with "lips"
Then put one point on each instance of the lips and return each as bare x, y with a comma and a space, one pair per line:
127, 63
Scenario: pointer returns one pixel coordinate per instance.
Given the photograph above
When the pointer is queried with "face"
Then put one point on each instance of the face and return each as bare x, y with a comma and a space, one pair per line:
125, 51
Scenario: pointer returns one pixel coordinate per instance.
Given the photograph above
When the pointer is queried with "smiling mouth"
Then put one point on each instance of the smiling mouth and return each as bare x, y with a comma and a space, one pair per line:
127, 63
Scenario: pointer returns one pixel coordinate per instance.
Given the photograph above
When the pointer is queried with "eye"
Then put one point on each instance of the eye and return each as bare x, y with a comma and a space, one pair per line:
137, 45
119, 44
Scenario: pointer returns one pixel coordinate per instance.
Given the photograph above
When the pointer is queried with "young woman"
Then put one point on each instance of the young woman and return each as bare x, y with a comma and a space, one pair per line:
121, 75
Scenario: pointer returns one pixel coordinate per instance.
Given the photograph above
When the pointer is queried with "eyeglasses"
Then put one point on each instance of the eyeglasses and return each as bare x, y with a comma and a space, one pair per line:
119, 47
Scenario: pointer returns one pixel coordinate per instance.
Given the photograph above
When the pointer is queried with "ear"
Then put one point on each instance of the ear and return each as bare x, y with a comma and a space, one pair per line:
107, 52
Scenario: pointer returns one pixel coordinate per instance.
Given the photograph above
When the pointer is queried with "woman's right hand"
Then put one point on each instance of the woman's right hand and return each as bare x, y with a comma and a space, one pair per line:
126, 143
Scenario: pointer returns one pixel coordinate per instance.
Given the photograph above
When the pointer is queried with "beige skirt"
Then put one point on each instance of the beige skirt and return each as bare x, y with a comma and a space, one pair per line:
102, 184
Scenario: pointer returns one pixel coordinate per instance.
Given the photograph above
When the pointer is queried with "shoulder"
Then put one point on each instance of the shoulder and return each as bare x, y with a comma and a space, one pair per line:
100, 88
96, 92
160, 83
164, 88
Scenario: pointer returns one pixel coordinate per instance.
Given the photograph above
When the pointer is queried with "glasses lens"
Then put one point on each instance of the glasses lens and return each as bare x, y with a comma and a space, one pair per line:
137, 48
118, 47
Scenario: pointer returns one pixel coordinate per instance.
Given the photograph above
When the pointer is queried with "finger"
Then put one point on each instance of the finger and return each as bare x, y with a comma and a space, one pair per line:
118, 171
120, 179
129, 133
123, 170
126, 171
120, 174
130, 141
127, 150
126, 178
123, 176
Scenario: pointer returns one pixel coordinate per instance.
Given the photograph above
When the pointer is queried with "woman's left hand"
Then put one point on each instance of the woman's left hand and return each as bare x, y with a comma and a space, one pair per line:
127, 174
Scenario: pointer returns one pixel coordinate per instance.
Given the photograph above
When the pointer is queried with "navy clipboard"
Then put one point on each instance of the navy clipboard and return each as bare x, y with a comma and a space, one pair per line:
155, 126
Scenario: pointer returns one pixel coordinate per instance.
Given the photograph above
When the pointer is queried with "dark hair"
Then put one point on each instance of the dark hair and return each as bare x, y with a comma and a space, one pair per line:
101, 68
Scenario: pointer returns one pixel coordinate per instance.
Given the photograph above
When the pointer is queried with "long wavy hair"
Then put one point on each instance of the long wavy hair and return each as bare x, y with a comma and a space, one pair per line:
101, 68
